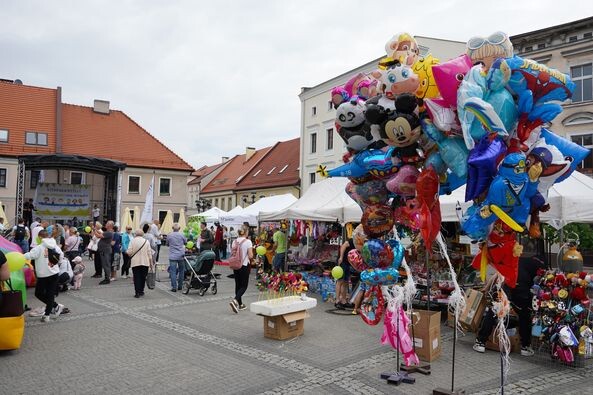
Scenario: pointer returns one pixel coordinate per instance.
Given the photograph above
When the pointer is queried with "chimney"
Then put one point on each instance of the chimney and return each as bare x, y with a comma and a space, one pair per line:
225, 159
101, 106
249, 152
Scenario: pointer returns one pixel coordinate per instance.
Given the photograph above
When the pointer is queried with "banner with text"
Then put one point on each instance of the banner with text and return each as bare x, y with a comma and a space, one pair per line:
56, 201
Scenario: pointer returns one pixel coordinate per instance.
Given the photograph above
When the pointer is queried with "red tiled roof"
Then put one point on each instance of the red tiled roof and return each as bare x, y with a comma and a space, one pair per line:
27, 109
202, 172
237, 167
280, 167
114, 136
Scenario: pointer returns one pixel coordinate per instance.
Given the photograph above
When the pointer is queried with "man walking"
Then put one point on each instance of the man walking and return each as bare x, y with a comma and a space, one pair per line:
176, 241
279, 239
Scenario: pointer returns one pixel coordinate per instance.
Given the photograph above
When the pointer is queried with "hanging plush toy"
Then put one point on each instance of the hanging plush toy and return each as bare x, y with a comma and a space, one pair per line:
403, 48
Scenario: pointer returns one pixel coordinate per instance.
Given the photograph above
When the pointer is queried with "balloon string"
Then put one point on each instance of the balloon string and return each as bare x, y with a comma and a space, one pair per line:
457, 298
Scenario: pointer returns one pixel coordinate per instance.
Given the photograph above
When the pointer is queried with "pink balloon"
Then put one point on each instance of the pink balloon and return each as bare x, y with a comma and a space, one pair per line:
355, 259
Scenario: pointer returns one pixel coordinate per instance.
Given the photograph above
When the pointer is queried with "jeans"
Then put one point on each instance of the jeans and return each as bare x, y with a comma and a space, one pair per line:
125, 269
278, 261
105, 257
176, 272
158, 252
140, 273
45, 291
241, 282
24, 244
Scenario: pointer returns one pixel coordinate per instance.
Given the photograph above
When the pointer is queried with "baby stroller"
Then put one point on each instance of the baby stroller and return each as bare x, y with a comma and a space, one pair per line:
200, 277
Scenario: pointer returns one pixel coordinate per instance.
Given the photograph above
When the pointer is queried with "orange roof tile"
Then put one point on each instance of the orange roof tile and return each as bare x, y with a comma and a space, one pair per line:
236, 168
202, 172
280, 167
114, 136
27, 109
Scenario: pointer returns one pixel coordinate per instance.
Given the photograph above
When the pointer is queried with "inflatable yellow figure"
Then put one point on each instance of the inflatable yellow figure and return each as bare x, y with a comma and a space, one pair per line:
423, 68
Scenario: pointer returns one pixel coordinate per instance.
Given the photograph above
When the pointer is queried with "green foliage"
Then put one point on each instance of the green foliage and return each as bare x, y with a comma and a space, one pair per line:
583, 231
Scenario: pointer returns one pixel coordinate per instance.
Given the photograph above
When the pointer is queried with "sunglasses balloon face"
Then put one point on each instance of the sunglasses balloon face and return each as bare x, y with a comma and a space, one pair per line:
486, 50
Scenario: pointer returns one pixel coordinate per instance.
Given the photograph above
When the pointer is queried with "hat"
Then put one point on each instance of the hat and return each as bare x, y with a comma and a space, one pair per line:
543, 155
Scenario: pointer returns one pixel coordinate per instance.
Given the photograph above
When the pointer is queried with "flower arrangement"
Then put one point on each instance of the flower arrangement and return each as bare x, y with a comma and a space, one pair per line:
279, 285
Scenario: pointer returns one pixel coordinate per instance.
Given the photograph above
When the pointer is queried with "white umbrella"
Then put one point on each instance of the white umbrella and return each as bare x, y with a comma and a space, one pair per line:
167, 225
181, 221
126, 219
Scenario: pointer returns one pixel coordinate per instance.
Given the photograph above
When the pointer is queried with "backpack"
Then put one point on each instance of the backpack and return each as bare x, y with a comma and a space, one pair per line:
53, 256
236, 261
19, 233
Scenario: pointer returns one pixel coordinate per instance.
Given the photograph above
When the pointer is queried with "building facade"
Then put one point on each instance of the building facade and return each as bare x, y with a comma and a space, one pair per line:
320, 143
569, 49
34, 121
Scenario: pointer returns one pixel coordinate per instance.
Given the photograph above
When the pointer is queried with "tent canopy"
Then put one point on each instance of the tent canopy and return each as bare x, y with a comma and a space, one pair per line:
326, 200
210, 215
235, 211
571, 201
250, 214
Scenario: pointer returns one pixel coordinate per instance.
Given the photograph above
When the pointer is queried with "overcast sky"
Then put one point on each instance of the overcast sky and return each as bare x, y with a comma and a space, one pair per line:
210, 77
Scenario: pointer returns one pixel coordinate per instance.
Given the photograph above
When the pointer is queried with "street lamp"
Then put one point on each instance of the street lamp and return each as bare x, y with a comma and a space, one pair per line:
246, 198
203, 205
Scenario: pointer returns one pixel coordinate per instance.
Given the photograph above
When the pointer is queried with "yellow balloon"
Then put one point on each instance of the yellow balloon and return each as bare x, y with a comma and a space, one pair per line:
423, 68
15, 260
504, 217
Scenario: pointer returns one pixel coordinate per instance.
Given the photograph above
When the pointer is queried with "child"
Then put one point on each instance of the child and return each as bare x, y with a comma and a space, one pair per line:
78, 272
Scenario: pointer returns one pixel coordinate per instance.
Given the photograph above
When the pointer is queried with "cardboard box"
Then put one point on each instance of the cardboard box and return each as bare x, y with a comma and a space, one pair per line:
427, 334
492, 343
285, 326
475, 304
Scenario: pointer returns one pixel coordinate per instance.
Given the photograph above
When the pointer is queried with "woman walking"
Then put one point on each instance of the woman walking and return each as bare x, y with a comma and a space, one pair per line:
242, 274
140, 255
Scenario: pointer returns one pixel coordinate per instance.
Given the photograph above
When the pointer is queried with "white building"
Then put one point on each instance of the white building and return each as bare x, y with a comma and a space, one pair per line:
320, 143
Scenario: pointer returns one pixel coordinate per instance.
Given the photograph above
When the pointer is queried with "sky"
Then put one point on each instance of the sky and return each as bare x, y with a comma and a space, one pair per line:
209, 78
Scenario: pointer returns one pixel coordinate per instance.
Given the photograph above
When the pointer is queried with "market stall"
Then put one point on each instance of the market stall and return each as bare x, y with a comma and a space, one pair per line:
238, 216
212, 215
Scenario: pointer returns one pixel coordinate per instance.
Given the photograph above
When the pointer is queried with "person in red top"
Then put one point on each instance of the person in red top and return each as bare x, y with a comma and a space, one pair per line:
218, 236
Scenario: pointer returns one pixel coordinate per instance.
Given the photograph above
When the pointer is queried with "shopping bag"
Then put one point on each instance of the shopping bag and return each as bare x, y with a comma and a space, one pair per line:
12, 330
150, 278
11, 302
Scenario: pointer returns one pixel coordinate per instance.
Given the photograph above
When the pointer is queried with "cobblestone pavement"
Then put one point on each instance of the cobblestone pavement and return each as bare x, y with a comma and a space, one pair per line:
165, 342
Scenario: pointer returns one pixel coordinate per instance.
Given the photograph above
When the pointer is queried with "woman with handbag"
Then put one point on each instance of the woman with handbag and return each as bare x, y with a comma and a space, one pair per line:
245, 251
71, 244
140, 255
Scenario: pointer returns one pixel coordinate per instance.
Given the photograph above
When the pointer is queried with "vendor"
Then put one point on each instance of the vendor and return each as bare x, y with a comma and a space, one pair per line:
279, 248
521, 300
342, 283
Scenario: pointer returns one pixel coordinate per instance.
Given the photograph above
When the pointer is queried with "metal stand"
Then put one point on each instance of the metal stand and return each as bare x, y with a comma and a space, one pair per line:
397, 377
443, 391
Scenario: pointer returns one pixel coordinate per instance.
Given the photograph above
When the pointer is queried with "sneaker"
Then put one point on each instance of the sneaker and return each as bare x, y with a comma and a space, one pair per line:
37, 312
173, 289
234, 306
527, 351
479, 346
112, 279
340, 306
242, 307
96, 276
57, 310
45, 318
104, 282
124, 276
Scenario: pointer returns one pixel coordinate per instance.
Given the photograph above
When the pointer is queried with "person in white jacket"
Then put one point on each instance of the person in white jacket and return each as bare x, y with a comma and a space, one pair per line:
47, 257
66, 275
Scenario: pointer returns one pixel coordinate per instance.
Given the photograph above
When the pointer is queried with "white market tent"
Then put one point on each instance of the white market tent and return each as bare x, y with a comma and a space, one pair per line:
326, 200
571, 201
237, 210
211, 215
250, 214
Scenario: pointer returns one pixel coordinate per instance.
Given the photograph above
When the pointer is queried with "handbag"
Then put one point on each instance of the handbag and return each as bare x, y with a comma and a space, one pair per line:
11, 302
92, 245
150, 278
536, 329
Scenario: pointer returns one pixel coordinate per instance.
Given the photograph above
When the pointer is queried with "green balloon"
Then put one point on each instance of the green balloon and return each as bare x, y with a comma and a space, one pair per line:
189, 245
87, 229
337, 272
261, 250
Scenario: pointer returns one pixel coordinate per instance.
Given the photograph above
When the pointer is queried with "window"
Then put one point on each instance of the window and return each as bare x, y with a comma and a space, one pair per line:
282, 170
528, 49
582, 76
256, 173
76, 178
34, 138
271, 170
313, 143
572, 39
586, 140
34, 180
3, 136
176, 218
3, 178
330, 105
330, 139
164, 186
588, 35
313, 111
541, 46
312, 178
133, 185
132, 215
162, 215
